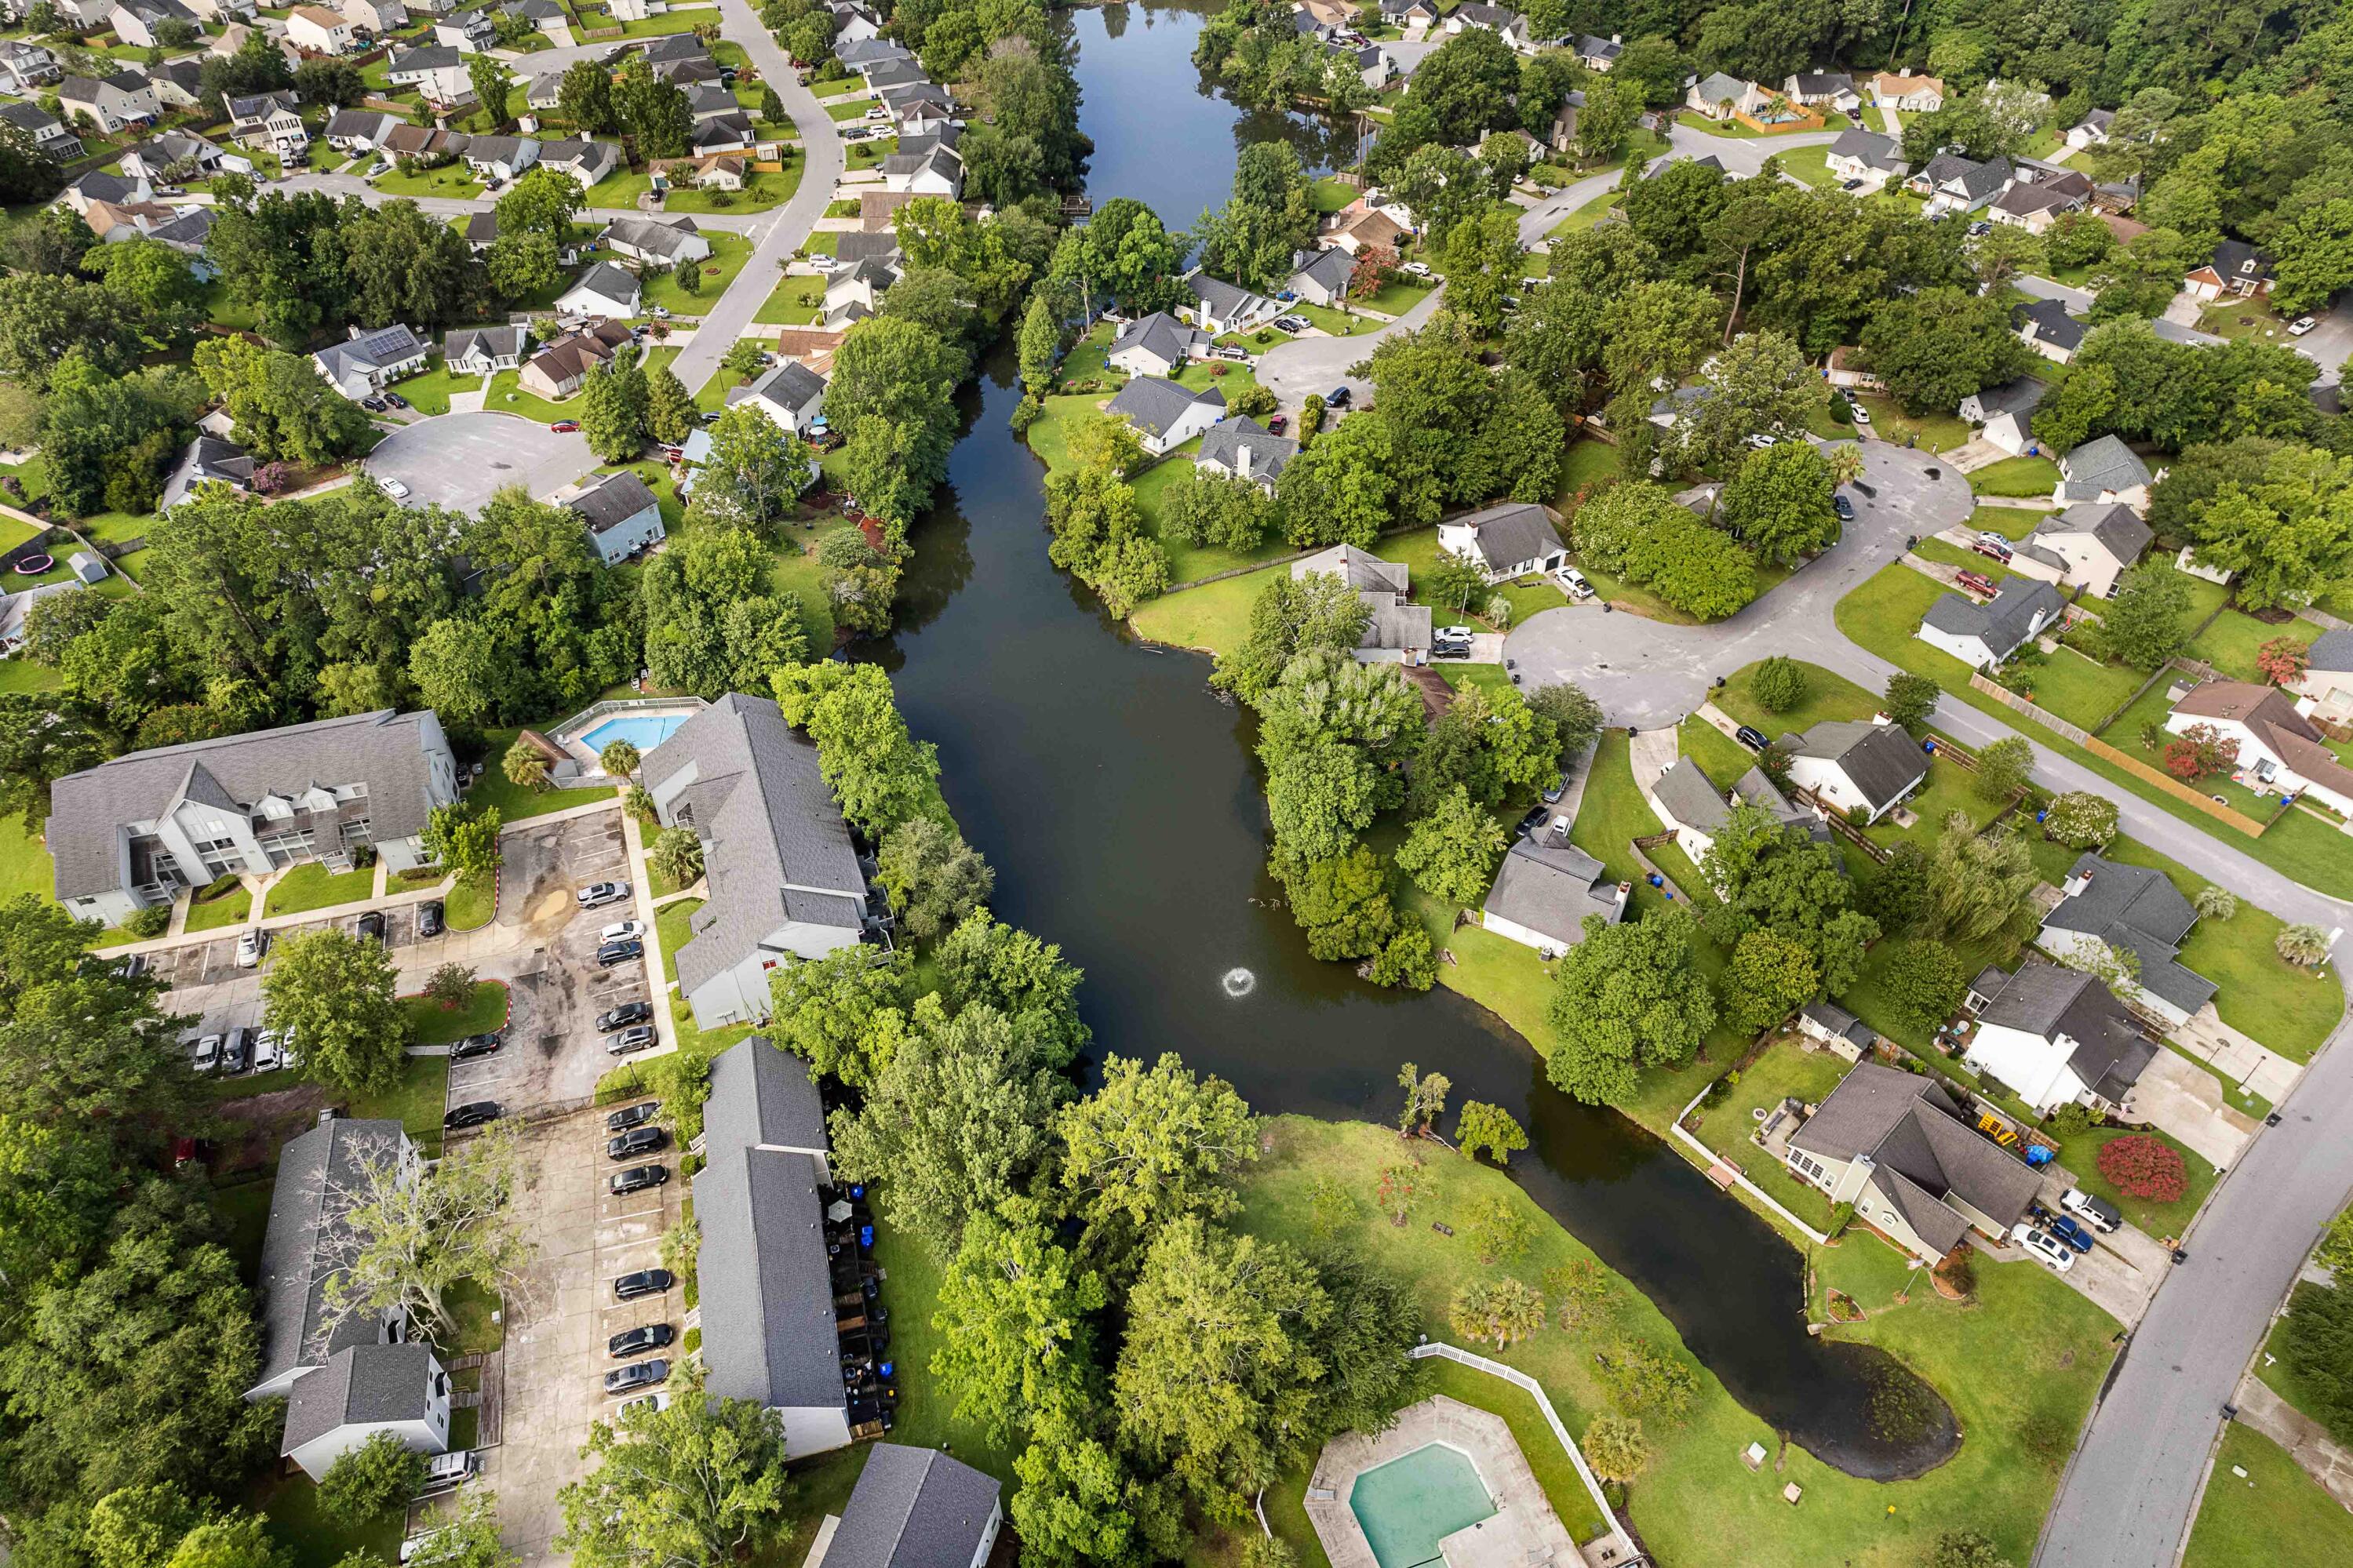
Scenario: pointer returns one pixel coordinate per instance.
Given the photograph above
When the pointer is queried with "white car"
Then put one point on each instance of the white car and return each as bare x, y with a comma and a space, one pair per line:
1862, 415
1760, 441
2046, 1249
2097, 1213
658, 1400
208, 1054
394, 489
596, 895
880, 111
2302, 325
823, 262
1451, 635
1417, 269
268, 1054
621, 931
250, 947
1573, 584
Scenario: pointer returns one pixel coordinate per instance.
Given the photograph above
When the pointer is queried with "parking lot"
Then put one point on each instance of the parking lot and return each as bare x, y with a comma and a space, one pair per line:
460, 460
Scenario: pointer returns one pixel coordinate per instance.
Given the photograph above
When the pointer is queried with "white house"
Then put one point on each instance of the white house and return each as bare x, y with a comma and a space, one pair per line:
2326, 687
1868, 156
1851, 762
1242, 449
136, 21
790, 394
1167, 416
605, 290
1833, 90
2103, 469
2056, 1037
1156, 345
467, 32
1413, 17
621, 512
2005, 414
1547, 887
911, 1507
2049, 328
375, 15
398, 1388
1508, 541
2107, 909
367, 361
2093, 130
1689, 806
551, 21
437, 72
656, 242
935, 172
1508, 26
2089, 545
483, 351
1321, 276
499, 158
1219, 307
319, 30
269, 119
1984, 634
2281, 751
1397, 631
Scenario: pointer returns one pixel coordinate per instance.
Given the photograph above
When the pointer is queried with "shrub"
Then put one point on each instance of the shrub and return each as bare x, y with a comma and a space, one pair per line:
2071, 1121
1779, 684
2142, 1166
1841, 1218
152, 921
2215, 903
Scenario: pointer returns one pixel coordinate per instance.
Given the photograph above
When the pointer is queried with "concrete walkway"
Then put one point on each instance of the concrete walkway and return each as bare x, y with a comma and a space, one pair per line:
644, 906
2323, 1458
2245, 1061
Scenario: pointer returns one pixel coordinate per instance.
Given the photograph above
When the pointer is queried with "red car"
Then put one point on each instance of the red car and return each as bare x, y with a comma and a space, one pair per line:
564, 427
1275, 423
1977, 583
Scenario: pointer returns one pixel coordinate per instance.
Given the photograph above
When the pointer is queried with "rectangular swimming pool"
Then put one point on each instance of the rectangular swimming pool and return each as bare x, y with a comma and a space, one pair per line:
1416, 1501
643, 730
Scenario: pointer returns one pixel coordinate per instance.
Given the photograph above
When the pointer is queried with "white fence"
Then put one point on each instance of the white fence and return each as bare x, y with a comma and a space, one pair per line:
1626, 1553
1710, 1159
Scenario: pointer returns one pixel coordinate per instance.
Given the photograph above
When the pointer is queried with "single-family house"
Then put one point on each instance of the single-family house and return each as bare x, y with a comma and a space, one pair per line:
1957, 185
545, 92
1983, 634
1219, 307
852, 293
1547, 888
1562, 137
116, 225
620, 511
484, 350
935, 172
467, 32
368, 360
2032, 207
207, 460
560, 366
1375, 66
1848, 1036
2103, 469
784, 882
2280, 751
709, 100
398, 1388
2108, 909
1851, 762
1716, 96
1866, 155
2088, 545
1910, 94
913, 1508
1599, 54
1167, 416
130, 833
1508, 541
98, 185
137, 21
2092, 130
320, 31
1397, 631
2236, 269
1156, 345
585, 159
551, 21
790, 394
26, 67
2044, 326
1242, 449
1358, 227
721, 172
1321, 276
375, 15
50, 137
2327, 684
854, 22
1823, 89
2005, 414
728, 133
1689, 806
605, 290
188, 232
1901, 1148
656, 242
359, 129
863, 54
437, 71
674, 46
498, 158
2056, 1037
272, 121
175, 155
877, 209
1508, 26
18, 607
125, 98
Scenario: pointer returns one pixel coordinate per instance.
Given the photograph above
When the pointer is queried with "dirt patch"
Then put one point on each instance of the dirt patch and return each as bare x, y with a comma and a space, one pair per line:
252, 1128
548, 913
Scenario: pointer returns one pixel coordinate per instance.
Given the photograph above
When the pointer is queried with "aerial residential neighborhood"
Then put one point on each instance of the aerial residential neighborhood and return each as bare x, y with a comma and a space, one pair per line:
1320, 784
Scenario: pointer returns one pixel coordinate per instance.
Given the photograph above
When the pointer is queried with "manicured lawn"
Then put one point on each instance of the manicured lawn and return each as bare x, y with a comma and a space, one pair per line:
1722, 759
1785, 1070
24, 675
1827, 696
2276, 1513
2009, 522
312, 1537
514, 802
1396, 296
313, 887
506, 396
25, 863
793, 302
230, 909
439, 1025
1932, 432
2017, 477
2229, 644
1810, 164
1728, 128
1419, 552
2081, 691
671, 931
429, 393
728, 254
1212, 619
1329, 194
850, 108
471, 904
2271, 1363
1587, 462
455, 180
1334, 322
1588, 215
926, 1415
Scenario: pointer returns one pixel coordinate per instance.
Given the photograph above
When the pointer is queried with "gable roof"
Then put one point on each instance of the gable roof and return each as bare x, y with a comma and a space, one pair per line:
1159, 334
2119, 527
1511, 533
788, 385
2047, 1001
1362, 571
361, 1385
2271, 717
1813, 82
1244, 448
1882, 760
764, 1280
2005, 622
2104, 463
607, 281
657, 237
1870, 148
304, 1244
2332, 650
2139, 911
913, 1507
2016, 395
376, 350
1154, 405
2235, 258
1330, 269
2052, 324
764, 1097
205, 457
1717, 88
1910, 1125
1220, 298
612, 501
1550, 887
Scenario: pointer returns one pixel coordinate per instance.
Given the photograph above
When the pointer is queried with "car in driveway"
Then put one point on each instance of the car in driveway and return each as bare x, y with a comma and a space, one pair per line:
622, 1016
615, 952
621, 931
269, 1051
208, 1054
1573, 584
2099, 1213
1452, 636
1751, 737
1975, 582
639, 1339
630, 1116
627, 1042
596, 895
473, 1114
636, 1179
1861, 415
1292, 324
2069, 1230
635, 1375
2302, 325
2043, 1248
644, 1282
429, 920
637, 1141
252, 947
474, 1046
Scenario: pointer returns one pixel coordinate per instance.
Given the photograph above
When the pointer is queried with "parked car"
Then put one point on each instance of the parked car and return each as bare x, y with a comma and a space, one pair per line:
1981, 226
2043, 1248
2099, 1213
1861, 415
1414, 268
1573, 584
2071, 1231
429, 921
473, 1114
371, 925
1557, 788
187, 1150
637, 1141
394, 488
1532, 821
1292, 324
1976, 583
636, 1179
621, 931
375, 406
644, 1282
236, 1050
635, 1375
1850, 184
625, 1042
269, 1051
596, 895
1451, 650
1451, 635
443, 1471
1843, 507
251, 947
1760, 441
639, 1339
135, 967
657, 312
613, 953
658, 1400
823, 262
564, 427
622, 1016
2301, 325
474, 1046
1277, 423
630, 1116
1753, 739
1340, 399
1228, 352
396, 400
208, 1054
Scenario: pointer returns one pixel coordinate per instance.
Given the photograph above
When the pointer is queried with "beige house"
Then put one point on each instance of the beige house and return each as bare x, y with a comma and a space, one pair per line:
319, 30
2328, 683
1911, 94
557, 369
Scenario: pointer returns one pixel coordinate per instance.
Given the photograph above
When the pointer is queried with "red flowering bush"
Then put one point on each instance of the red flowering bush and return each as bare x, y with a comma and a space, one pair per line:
2143, 1167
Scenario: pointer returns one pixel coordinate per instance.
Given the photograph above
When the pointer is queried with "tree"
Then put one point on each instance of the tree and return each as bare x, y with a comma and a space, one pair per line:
542, 201
1488, 1127
1398, 1189
2004, 251
1425, 1100
1576, 717
2147, 622
2198, 750
334, 992
1614, 1447
1779, 501
369, 1481
1038, 344
2302, 943
1499, 1232
411, 1238
1467, 84
654, 112
677, 857
1013, 1324
1291, 616
1924, 983
451, 985
465, 842
138, 1527
1979, 883
1123, 251
1480, 259
1497, 1310
1450, 854
1150, 1147
585, 97
935, 878
1638, 531
1639, 1375
671, 414
1268, 218
233, 1541
619, 760
2141, 1165
2003, 768
1937, 347
846, 1014
2284, 659
1767, 875
2335, 1250
878, 771
1965, 1548
1910, 700
694, 1480
613, 414
1760, 382
2288, 534
1626, 997
1778, 685
2080, 819
282, 408
1770, 976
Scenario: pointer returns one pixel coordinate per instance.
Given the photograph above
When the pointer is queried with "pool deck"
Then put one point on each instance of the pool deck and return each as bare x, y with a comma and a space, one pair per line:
1523, 1532
569, 734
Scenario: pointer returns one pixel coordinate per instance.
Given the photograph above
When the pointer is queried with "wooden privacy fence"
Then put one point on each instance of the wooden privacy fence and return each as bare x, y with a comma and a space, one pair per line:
2175, 787
2040, 714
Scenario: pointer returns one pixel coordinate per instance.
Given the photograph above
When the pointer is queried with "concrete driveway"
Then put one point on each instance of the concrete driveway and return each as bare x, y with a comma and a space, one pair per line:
2178, 1096
460, 460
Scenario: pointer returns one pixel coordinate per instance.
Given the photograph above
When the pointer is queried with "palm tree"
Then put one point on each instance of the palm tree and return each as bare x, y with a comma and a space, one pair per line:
524, 767
1846, 463
2302, 943
640, 802
619, 760
677, 857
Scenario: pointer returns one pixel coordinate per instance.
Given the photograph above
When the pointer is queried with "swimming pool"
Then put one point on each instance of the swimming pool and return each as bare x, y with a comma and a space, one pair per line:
643, 730
1416, 1501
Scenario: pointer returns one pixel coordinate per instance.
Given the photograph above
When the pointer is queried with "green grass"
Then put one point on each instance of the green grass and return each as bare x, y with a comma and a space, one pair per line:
1332, 322
1588, 215
2081, 691
2021, 478
454, 180
307, 1534
793, 302
1827, 696
2229, 644
671, 930
313, 887
429, 393
2009, 522
1785, 1070
506, 395
1212, 619
850, 108
1330, 195
1691, 120
2278, 1513
1396, 296
728, 254
1810, 164
1722, 759
513, 801
472, 902
1931, 432
1419, 552
435, 1025
230, 909
2271, 1364
1587, 462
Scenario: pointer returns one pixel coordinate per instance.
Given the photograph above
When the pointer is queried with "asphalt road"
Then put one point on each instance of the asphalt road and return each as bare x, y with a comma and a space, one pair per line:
460, 460
340, 184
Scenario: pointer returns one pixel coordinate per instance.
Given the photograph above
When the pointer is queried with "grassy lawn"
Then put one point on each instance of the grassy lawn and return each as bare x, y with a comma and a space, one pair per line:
472, 902
1810, 164
2009, 522
1332, 322
1588, 215
1191, 562
2081, 691
429, 393
1211, 619
311, 1537
2271, 1367
2229, 644
230, 909
313, 887
1827, 696
516, 803
850, 108
793, 302
2276, 1513
25, 863
454, 180
1785, 1070
506, 396
1419, 552
437, 1026
2015, 477
1329, 194
728, 254
1932, 432
1587, 462
1722, 759
671, 930
1396, 297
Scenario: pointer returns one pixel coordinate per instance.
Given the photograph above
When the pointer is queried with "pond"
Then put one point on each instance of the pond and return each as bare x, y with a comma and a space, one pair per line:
1120, 803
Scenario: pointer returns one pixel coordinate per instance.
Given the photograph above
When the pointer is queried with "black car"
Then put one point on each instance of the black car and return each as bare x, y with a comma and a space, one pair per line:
613, 953
638, 1341
236, 1052
396, 400
371, 926
1451, 650
473, 1114
636, 1179
630, 1116
644, 1282
637, 1374
638, 1038
637, 1140
1533, 819
428, 917
622, 1016
1753, 739
1843, 507
474, 1046
1340, 399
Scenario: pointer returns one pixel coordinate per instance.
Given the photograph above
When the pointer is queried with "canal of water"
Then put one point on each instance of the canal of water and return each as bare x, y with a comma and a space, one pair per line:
1118, 799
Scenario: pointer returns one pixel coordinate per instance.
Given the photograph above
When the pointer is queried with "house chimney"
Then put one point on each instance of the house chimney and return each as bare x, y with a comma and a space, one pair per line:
1879, 718
1241, 460
2077, 884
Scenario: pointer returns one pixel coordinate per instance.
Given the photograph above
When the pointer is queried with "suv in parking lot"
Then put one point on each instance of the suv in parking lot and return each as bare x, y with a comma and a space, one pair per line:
638, 1341
428, 917
251, 946
622, 1016
637, 1374
636, 1179
208, 1054
236, 1050
371, 926
644, 1282
268, 1053
613, 953
636, 1037
473, 1114
630, 1116
637, 1140
596, 895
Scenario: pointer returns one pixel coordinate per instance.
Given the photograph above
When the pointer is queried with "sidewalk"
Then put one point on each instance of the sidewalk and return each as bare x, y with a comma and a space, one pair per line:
2306, 1441
2246, 1062
642, 885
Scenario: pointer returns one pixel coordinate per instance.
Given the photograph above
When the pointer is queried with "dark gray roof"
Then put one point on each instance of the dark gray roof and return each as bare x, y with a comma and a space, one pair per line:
2052, 324
1910, 1125
27, 116
607, 281
913, 1507
1870, 147
384, 749
1159, 334
495, 341
674, 47
1362, 570
2023, 200
764, 1280
1836, 1021
205, 458
1881, 760
790, 384
852, 248
1220, 298
2140, 911
186, 232
433, 56
2333, 650
1691, 797
2237, 258
1511, 533
100, 186
612, 501
2104, 463
1588, 47
762, 1097
1718, 87
2013, 396
1244, 448
373, 350
662, 237
2046, 1000
303, 1246
774, 841
2119, 527
1331, 268
1977, 180
1811, 82
1550, 886
2003, 624
1154, 405
363, 1385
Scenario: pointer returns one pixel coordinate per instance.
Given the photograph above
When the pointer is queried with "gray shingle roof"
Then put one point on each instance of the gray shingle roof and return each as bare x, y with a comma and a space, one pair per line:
1717, 88
2140, 911
303, 1246
1159, 334
1870, 147
764, 1280
363, 1385
774, 840
1881, 760
762, 1097
496, 342
2333, 650
2013, 396
612, 501
2046, 1000
1330, 269
661, 239
384, 749
434, 56
1247, 449
1154, 405
607, 281
790, 384
1221, 298
913, 1507
205, 458
2052, 324
2119, 527
1691, 797
852, 248
372, 351
1550, 888
1509, 534
2003, 625
1363, 571
1910, 1125
2104, 463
